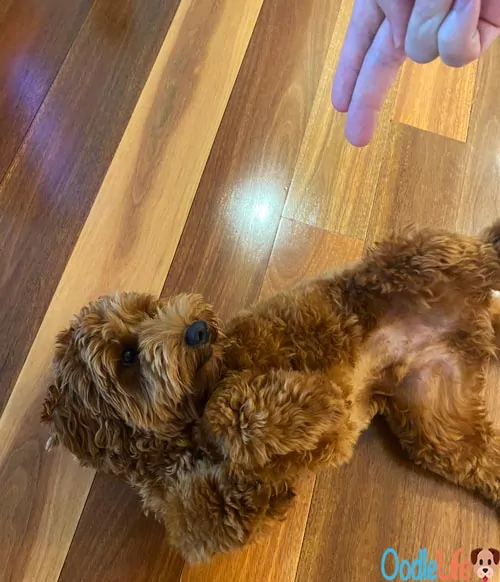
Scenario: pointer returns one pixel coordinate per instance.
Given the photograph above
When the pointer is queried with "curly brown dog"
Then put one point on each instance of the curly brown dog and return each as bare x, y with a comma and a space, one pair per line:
211, 423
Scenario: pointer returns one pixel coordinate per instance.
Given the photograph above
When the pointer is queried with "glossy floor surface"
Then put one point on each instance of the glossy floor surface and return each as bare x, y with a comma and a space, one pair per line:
178, 145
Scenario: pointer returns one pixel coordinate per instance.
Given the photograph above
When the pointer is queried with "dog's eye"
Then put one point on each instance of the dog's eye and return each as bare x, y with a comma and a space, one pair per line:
129, 356
480, 562
489, 562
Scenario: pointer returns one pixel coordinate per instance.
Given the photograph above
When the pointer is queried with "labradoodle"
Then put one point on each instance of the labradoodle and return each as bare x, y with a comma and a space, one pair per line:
211, 423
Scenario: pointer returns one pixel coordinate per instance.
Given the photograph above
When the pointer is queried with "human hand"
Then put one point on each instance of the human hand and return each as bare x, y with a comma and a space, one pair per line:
380, 35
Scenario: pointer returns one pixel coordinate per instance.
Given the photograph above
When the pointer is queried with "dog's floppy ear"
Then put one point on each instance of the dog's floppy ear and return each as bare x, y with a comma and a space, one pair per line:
474, 554
49, 407
496, 555
87, 430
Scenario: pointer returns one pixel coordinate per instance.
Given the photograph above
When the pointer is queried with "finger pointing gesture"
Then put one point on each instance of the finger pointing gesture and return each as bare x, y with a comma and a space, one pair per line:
382, 31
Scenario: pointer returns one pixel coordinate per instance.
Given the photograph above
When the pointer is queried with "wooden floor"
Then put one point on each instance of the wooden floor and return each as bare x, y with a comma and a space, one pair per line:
177, 145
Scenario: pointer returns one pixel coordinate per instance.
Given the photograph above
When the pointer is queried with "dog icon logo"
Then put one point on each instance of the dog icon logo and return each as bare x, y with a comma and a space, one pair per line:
485, 562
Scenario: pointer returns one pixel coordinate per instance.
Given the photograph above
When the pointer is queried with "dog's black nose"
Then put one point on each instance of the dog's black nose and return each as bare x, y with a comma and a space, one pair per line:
485, 570
197, 334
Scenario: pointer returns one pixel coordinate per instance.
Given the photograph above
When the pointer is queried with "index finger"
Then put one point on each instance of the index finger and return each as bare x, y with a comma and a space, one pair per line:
380, 67
365, 21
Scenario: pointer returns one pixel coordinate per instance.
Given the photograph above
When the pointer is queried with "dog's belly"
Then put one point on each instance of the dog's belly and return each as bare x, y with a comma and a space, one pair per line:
397, 343
415, 361
432, 378
404, 338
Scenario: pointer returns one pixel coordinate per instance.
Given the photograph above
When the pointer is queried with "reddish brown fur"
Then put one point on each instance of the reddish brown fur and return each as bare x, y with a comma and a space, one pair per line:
212, 437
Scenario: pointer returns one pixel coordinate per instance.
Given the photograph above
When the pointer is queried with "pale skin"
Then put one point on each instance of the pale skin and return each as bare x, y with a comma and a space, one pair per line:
382, 33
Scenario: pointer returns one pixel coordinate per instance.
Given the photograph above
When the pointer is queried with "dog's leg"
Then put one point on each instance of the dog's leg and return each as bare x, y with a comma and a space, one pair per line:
291, 419
426, 265
210, 510
439, 414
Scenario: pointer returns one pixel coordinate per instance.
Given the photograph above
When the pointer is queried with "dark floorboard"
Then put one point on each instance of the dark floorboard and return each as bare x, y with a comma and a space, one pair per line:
35, 38
47, 194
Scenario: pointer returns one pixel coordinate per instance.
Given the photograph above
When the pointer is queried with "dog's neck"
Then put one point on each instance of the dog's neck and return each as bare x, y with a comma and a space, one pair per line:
155, 458
159, 455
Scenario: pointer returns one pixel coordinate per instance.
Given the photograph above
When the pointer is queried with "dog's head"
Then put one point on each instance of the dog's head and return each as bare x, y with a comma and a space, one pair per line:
485, 562
131, 362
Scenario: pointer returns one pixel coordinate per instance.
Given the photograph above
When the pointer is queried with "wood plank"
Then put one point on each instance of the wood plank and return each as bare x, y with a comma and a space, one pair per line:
300, 252
116, 542
480, 200
334, 183
35, 38
269, 106
137, 218
436, 98
419, 183
381, 501
317, 250
52, 183
241, 195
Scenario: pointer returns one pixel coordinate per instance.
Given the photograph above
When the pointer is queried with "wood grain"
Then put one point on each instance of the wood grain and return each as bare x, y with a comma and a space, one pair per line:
334, 183
127, 242
116, 542
51, 185
419, 183
35, 38
241, 195
300, 252
380, 501
436, 98
268, 108
480, 199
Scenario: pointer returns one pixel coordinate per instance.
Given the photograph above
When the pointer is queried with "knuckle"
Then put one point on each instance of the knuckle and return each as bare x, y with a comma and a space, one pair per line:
456, 54
391, 59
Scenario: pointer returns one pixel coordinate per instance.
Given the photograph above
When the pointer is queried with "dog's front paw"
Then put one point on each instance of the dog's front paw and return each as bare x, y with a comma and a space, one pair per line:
237, 418
257, 418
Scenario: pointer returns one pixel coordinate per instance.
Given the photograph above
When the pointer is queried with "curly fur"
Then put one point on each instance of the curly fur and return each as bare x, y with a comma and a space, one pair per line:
212, 437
